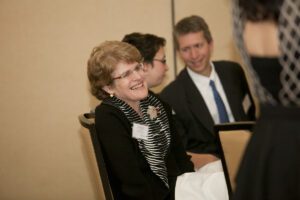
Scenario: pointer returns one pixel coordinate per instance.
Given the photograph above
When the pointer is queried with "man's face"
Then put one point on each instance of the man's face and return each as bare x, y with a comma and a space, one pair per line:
155, 72
195, 51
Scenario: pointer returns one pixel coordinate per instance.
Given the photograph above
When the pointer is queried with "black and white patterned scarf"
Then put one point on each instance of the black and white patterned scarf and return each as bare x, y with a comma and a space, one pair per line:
155, 148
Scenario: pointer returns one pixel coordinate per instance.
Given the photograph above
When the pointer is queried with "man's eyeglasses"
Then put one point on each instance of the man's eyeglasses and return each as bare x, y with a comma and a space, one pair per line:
163, 61
138, 68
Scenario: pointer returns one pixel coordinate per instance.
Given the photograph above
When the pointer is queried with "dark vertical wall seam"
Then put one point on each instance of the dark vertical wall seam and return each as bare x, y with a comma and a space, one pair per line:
173, 24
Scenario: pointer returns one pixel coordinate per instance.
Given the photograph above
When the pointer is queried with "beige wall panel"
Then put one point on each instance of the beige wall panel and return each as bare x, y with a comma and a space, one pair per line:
44, 152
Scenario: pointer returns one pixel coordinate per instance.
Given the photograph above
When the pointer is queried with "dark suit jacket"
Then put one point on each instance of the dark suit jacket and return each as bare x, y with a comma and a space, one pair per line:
129, 173
193, 119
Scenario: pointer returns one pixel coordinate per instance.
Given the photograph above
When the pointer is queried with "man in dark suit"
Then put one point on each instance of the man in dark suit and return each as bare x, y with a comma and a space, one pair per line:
205, 92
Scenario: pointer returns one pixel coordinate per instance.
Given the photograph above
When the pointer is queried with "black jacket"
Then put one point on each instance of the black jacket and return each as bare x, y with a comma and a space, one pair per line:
129, 173
193, 118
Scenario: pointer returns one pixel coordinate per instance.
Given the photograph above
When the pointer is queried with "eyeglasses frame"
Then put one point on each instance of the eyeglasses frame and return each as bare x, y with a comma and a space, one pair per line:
137, 68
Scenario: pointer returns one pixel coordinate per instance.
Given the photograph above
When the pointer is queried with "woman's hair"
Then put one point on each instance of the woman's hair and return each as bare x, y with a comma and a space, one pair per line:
191, 24
103, 61
257, 10
147, 44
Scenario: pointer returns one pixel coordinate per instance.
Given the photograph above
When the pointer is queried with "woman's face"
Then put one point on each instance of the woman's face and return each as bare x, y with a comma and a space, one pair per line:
129, 83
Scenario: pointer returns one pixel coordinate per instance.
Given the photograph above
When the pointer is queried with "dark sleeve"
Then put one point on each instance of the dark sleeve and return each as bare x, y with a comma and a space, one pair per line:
168, 95
177, 149
183, 160
122, 154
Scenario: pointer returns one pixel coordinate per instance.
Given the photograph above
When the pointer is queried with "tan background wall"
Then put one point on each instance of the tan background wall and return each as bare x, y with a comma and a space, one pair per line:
44, 152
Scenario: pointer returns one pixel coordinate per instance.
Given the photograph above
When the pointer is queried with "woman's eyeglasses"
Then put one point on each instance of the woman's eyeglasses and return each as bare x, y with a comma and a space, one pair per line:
138, 68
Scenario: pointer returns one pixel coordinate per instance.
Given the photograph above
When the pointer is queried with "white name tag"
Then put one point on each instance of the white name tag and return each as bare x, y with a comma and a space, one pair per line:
140, 131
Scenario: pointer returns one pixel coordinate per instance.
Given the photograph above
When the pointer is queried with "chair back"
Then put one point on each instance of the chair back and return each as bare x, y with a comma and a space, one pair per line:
87, 120
232, 139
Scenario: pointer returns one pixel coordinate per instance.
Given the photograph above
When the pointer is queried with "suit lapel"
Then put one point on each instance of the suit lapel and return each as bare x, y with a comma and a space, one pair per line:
196, 102
228, 83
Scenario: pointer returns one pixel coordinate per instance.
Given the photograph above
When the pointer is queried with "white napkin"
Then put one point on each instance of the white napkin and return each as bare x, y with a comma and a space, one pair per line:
207, 183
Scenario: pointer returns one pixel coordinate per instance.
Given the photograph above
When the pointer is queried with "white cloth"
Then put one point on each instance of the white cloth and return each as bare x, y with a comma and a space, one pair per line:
208, 183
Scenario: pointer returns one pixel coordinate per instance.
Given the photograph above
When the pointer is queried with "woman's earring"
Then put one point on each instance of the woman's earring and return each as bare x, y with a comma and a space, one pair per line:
111, 95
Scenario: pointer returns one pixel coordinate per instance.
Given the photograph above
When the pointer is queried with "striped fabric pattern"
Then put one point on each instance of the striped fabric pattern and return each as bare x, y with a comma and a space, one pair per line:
155, 148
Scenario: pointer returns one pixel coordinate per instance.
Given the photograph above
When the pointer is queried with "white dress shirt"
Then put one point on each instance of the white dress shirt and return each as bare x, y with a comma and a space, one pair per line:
202, 84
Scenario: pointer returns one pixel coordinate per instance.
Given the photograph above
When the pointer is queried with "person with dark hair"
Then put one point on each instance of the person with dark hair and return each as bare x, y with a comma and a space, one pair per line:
268, 38
205, 93
143, 152
152, 48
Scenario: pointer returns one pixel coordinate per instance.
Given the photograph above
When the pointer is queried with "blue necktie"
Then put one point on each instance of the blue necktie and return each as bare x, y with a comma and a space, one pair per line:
220, 104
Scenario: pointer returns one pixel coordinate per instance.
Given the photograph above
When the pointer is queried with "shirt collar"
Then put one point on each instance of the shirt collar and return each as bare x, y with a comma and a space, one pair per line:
203, 80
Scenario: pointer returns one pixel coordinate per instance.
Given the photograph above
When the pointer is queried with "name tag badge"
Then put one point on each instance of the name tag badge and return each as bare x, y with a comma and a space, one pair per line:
140, 131
246, 103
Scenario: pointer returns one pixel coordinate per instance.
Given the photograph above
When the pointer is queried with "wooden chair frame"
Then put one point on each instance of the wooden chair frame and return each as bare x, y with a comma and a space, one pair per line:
87, 120
245, 125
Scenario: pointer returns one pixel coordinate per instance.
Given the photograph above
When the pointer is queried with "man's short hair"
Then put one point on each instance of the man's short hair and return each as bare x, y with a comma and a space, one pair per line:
191, 24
